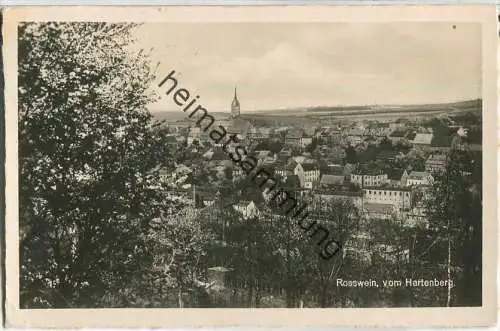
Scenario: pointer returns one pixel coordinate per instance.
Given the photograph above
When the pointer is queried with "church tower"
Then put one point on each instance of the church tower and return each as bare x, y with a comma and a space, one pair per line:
235, 106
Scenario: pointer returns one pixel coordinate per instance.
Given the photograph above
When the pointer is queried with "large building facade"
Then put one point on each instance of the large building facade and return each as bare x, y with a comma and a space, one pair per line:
402, 198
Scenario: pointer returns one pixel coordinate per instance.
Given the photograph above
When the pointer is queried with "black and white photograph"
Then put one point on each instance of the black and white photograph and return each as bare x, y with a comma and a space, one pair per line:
250, 164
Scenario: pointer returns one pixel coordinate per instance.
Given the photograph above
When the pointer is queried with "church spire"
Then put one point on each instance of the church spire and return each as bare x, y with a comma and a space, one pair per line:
235, 105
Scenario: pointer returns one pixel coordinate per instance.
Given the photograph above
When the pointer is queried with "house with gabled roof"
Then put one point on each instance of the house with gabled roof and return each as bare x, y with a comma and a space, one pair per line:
369, 177
267, 157
323, 195
284, 169
331, 179
422, 139
294, 136
308, 174
419, 178
396, 177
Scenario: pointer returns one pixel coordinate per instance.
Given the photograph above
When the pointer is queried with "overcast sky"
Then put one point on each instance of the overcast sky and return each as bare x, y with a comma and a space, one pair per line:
283, 65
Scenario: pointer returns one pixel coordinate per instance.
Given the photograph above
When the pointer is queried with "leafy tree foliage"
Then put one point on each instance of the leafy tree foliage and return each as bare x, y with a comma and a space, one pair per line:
351, 156
307, 278
87, 151
455, 214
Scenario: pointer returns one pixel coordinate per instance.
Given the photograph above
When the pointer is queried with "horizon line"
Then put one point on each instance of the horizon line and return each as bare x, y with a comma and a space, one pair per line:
336, 106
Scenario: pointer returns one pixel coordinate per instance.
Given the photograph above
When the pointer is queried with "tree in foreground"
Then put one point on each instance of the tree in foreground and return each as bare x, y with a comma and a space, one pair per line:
455, 216
309, 279
87, 154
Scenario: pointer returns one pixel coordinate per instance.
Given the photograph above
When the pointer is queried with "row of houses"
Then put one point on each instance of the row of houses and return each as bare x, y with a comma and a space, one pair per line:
312, 174
377, 178
376, 202
297, 137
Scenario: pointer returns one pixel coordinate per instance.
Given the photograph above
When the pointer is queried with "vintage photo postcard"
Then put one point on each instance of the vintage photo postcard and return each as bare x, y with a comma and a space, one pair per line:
250, 166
